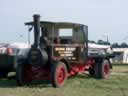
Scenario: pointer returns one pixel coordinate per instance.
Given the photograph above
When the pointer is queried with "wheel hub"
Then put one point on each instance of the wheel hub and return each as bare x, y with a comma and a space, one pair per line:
61, 75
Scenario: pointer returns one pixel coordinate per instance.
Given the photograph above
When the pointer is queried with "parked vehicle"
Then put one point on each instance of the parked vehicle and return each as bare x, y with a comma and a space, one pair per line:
60, 50
9, 56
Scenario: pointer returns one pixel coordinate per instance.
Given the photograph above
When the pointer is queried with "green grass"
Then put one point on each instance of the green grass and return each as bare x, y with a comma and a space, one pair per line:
121, 68
81, 85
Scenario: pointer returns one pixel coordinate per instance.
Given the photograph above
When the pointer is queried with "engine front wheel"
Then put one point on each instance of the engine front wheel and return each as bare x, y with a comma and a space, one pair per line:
23, 74
58, 74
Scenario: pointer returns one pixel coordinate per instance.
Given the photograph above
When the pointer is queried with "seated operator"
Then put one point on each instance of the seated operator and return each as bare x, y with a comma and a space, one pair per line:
57, 40
44, 38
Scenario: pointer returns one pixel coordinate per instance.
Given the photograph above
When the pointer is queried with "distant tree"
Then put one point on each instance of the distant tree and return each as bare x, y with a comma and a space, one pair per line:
107, 43
115, 45
91, 41
124, 45
103, 42
100, 42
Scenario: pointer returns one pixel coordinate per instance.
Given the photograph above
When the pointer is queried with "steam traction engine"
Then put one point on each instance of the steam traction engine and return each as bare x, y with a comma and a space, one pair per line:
60, 50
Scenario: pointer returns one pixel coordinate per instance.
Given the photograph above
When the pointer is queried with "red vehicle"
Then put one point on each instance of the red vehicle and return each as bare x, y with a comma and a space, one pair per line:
60, 50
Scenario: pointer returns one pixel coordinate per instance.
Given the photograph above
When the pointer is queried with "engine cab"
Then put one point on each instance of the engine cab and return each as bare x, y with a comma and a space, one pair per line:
60, 40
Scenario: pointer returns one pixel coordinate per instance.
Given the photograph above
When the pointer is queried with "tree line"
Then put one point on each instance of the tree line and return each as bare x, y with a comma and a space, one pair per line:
114, 45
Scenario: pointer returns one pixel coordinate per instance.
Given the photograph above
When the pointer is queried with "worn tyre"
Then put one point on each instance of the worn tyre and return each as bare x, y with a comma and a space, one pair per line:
58, 74
23, 74
3, 74
91, 71
102, 70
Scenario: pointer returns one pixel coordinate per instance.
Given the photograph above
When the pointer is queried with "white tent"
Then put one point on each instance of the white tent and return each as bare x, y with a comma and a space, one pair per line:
98, 46
19, 45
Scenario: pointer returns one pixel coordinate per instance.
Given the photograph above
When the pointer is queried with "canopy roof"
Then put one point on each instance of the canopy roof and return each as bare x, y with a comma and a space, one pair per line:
56, 23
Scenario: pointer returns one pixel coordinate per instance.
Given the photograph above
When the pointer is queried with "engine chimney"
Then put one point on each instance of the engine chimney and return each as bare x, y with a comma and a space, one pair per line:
36, 20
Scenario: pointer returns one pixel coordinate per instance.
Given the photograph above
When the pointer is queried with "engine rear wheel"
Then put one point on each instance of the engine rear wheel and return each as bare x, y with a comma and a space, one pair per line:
24, 74
58, 74
102, 70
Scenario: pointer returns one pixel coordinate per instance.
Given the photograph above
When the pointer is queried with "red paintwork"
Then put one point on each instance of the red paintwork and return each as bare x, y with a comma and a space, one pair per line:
40, 73
106, 70
81, 68
61, 75
28, 73
77, 68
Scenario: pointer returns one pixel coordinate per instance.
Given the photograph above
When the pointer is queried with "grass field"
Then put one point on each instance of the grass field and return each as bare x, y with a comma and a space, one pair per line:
120, 69
81, 85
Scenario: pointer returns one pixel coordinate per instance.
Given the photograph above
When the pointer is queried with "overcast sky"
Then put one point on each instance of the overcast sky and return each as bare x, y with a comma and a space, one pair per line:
102, 17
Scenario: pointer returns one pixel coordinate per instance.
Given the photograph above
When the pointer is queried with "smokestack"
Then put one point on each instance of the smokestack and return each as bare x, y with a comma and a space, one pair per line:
36, 21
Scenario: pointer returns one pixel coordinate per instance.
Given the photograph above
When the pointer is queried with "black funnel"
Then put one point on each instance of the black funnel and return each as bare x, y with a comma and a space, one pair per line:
36, 21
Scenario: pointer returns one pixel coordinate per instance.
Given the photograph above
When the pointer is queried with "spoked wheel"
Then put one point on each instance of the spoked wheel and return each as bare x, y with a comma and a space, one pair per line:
58, 74
24, 74
102, 70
